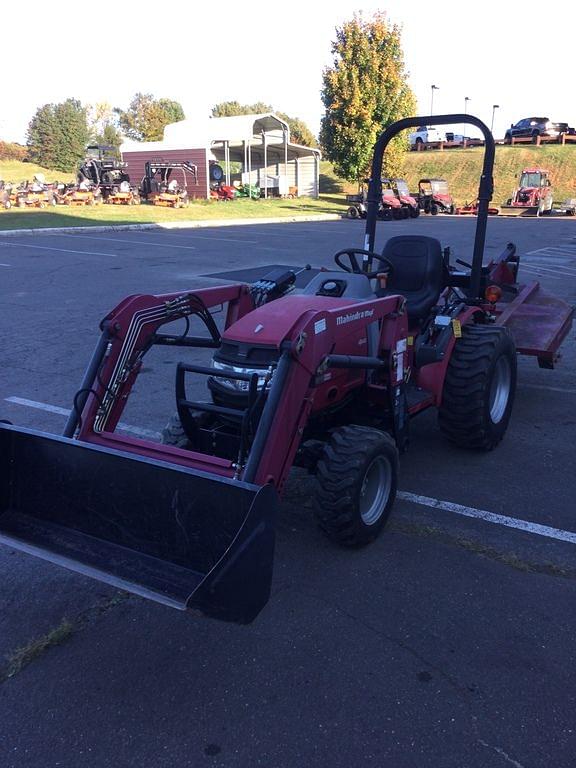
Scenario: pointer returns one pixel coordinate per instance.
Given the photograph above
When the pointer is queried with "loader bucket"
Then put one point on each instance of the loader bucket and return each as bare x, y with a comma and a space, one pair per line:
172, 534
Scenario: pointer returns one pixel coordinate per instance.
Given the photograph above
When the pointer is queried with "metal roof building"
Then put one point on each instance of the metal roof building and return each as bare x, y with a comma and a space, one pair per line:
253, 149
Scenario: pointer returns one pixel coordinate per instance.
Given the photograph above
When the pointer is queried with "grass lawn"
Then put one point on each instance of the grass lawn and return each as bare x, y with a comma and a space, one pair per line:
460, 167
202, 210
16, 171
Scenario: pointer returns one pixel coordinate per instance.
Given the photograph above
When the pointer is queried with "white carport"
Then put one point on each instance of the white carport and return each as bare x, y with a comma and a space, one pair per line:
260, 144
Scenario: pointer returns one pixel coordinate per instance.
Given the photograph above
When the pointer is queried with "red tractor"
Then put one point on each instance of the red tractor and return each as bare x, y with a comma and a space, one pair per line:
327, 377
533, 196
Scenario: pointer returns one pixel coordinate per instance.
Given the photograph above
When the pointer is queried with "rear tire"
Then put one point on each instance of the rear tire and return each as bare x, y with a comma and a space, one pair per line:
434, 210
479, 388
352, 212
357, 477
414, 212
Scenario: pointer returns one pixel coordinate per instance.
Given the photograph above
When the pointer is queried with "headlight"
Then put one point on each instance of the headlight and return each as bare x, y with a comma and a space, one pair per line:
264, 376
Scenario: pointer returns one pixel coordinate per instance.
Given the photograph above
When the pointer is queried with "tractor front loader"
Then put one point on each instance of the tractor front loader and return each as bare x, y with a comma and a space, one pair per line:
323, 370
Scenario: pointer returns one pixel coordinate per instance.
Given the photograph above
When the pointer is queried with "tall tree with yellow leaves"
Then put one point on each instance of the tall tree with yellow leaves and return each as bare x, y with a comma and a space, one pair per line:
364, 91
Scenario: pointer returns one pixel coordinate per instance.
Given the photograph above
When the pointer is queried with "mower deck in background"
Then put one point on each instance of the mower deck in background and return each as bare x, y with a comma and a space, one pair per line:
157, 186
323, 373
471, 209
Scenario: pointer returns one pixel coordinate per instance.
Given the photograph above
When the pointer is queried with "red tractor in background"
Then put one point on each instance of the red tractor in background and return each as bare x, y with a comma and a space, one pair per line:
533, 196
318, 369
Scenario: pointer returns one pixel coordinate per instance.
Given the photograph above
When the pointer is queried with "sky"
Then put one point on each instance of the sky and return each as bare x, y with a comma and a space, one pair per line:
518, 56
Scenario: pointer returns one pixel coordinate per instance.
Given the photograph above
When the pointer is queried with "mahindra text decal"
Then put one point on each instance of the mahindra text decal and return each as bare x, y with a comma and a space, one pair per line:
360, 315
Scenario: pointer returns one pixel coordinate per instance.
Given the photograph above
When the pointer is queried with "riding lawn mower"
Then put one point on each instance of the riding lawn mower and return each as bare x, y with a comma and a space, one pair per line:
157, 186
326, 376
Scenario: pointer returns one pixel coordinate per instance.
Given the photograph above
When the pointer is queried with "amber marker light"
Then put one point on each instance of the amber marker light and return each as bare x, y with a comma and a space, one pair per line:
493, 294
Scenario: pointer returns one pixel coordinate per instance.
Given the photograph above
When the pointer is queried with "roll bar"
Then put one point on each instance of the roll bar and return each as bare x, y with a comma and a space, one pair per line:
485, 189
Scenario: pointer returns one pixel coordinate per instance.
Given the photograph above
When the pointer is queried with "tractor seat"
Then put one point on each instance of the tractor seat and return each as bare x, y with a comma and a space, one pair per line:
419, 273
337, 283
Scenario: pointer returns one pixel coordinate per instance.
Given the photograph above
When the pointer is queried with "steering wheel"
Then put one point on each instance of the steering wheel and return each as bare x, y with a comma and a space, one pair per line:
355, 267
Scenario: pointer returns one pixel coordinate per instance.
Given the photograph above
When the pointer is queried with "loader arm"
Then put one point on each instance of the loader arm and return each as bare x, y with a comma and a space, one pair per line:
128, 333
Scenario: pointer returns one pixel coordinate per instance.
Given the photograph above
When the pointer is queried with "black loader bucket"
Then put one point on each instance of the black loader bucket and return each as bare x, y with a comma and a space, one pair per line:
175, 535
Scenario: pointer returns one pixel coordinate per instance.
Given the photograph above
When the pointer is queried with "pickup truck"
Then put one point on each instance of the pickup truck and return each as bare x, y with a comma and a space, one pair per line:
425, 135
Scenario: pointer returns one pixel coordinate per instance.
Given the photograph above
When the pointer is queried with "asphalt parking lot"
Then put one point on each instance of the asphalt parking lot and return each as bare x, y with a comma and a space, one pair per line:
448, 643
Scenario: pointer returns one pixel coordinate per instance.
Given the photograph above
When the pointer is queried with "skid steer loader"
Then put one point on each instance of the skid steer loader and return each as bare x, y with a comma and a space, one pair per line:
325, 376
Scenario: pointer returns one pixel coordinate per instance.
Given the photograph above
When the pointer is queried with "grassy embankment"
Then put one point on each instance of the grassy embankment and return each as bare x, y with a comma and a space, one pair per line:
460, 167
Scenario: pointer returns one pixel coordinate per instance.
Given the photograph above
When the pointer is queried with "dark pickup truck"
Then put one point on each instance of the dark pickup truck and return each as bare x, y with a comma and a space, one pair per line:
536, 126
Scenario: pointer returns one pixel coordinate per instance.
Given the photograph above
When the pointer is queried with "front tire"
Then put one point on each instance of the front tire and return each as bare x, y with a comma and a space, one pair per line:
479, 388
357, 478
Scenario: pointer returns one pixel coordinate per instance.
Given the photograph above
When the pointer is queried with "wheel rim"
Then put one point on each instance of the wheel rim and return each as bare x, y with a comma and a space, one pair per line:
375, 490
500, 389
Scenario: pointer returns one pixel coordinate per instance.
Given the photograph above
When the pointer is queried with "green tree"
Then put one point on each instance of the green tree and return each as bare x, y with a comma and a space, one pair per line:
146, 117
74, 134
58, 134
43, 136
233, 108
299, 131
364, 91
103, 125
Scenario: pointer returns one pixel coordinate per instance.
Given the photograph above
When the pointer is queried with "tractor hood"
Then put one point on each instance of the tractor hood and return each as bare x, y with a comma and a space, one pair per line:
270, 324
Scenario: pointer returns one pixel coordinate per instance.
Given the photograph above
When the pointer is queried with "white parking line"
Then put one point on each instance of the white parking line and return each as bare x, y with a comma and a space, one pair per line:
131, 242
192, 233
62, 250
545, 273
563, 390
66, 412
490, 517
5, 265
555, 270
553, 250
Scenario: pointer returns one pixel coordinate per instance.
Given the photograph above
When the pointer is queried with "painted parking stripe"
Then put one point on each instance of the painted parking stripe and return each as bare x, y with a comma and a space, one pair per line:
66, 412
5, 265
563, 390
490, 517
48, 248
556, 263
131, 242
200, 237
550, 273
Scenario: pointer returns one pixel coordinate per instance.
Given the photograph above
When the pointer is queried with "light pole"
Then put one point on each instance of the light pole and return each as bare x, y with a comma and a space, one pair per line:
466, 100
494, 108
433, 88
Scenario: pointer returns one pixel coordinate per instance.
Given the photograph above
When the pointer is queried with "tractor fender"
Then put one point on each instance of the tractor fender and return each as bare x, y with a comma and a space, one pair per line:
431, 377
